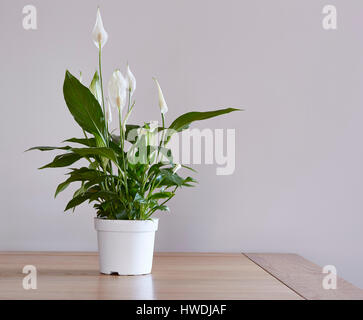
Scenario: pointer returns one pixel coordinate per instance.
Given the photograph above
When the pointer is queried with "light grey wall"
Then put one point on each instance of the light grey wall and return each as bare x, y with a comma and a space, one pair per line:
298, 181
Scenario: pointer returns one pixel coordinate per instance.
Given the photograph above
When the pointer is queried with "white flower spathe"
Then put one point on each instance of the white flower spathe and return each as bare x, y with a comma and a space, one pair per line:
108, 112
117, 87
142, 131
153, 139
153, 125
131, 81
176, 168
99, 33
162, 104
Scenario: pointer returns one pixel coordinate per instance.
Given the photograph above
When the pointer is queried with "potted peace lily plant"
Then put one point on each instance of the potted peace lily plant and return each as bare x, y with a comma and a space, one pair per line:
126, 184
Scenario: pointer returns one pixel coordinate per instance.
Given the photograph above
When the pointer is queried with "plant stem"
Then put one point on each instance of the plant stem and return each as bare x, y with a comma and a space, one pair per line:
129, 102
100, 70
122, 145
162, 137
103, 99
103, 104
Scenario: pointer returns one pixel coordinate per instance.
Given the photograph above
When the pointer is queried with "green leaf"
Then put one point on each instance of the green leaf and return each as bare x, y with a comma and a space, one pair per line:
121, 215
155, 168
161, 208
84, 174
79, 191
129, 137
91, 194
83, 106
95, 88
140, 199
168, 178
187, 118
187, 180
61, 187
95, 181
161, 195
76, 201
102, 152
47, 148
90, 142
189, 168
63, 160
93, 177
103, 194
93, 165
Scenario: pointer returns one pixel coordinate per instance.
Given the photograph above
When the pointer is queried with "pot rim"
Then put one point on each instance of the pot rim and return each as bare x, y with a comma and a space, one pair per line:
102, 219
126, 225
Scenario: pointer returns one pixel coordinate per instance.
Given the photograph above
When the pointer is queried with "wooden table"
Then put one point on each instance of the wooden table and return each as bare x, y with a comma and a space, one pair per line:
175, 276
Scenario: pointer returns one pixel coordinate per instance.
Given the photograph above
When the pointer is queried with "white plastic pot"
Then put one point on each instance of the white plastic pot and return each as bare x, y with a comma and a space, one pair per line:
126, 247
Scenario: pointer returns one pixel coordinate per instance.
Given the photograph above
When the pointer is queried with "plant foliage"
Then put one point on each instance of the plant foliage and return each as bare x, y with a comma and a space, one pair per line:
122, 184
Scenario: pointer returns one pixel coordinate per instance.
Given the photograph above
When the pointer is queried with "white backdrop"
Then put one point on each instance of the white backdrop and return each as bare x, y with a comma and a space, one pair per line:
298, 181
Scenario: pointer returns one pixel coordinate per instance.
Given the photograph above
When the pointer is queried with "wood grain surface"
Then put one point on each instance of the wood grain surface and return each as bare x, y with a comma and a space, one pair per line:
174, 276
304, 277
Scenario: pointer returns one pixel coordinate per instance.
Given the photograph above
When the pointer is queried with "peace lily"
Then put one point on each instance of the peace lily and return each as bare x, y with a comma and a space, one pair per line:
162, 104
131, 81
132, 191
117, 87
99, 33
